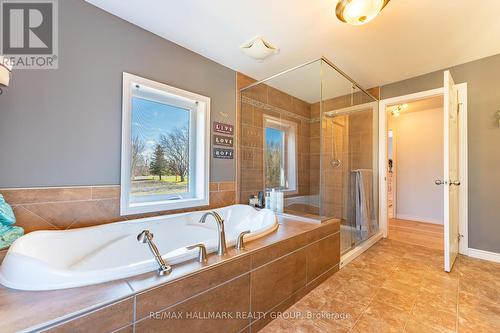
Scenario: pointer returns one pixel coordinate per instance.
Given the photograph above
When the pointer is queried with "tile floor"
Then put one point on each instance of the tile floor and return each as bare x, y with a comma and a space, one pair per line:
399, 287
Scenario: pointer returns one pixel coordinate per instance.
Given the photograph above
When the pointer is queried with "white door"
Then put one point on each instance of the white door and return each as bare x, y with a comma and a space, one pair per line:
451, 181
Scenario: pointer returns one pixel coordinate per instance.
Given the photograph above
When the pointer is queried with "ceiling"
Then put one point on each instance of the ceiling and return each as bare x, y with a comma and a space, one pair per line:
421, 105
409, 37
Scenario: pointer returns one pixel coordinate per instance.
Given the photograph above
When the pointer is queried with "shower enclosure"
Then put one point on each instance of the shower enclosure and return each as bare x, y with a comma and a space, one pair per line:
312, 133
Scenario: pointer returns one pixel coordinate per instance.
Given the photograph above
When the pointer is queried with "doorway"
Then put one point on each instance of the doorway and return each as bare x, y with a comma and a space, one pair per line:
454, 179
415, 160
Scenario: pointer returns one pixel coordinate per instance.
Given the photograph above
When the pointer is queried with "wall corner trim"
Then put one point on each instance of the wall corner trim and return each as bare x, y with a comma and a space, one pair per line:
485, 255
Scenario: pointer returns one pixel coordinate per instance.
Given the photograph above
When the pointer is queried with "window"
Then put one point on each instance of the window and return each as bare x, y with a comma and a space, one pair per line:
165, 147
280, 154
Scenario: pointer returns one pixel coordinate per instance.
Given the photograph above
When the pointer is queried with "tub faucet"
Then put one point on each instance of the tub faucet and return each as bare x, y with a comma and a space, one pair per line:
240, 244
146, 237
222, 248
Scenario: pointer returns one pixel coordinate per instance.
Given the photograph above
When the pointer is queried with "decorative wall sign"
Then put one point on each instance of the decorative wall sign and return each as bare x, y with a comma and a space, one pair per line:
223, 153
223, 128
221, 140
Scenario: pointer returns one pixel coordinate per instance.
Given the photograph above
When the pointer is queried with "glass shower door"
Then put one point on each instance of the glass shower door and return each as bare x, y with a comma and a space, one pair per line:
349, 159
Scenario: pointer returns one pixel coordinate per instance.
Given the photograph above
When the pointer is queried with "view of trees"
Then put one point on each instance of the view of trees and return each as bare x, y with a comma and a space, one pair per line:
274, 156
170, 157
176, 147
158, 165
140, 165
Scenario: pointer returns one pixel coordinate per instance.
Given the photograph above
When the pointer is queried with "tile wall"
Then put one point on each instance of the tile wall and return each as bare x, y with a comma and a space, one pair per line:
60, 208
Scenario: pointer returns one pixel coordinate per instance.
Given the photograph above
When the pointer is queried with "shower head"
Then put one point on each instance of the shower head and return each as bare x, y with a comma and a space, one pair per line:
335, 163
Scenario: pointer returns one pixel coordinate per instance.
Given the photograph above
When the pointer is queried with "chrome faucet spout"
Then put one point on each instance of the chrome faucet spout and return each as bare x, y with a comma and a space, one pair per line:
146, 237
222, 247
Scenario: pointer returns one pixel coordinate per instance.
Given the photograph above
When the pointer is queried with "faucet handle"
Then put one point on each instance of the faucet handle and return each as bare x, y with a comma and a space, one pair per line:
202, 254
240, 244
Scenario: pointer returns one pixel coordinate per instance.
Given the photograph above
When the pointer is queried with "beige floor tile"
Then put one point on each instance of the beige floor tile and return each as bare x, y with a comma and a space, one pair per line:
443, 288
480, 285
475, 325
398, 287
401, 300
473, 309
368, 324
416, 325
433, 300
434, 316
392, 316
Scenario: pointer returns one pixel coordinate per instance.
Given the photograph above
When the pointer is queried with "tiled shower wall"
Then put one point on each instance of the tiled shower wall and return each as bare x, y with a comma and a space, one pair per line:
60, 208
354, 145
257, 102
335, 147
348, 138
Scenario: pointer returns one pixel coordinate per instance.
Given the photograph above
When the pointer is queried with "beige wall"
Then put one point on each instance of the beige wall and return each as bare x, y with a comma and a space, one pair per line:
418, 138
63, 127
483, 78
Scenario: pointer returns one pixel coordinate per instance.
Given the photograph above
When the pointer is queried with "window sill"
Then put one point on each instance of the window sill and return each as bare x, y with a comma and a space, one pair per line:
159, 206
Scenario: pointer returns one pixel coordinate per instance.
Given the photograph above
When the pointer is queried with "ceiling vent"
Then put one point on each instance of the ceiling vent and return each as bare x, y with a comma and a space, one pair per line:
258, 48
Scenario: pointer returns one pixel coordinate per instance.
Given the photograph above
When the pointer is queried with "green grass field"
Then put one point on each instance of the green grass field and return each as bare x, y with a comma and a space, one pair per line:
151, 185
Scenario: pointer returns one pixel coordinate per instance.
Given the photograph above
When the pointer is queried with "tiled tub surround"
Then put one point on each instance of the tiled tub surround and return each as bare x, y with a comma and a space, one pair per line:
86, 256
270, 275
61, 208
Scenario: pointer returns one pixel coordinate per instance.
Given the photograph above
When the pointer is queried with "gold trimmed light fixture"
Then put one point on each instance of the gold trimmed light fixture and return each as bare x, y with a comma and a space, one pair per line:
396, 110
358, 12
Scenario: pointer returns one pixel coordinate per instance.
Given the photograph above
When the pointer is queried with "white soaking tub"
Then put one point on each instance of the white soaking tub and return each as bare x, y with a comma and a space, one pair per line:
48, 260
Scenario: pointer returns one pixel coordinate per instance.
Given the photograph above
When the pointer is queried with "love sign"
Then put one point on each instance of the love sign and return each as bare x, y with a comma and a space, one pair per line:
221, 140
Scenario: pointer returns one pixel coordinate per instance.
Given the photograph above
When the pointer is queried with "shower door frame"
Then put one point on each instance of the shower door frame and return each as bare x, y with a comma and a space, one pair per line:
358, 249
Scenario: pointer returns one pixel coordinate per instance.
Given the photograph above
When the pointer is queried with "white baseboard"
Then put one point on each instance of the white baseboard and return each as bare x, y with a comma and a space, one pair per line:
419, 219
354, 253
485, 255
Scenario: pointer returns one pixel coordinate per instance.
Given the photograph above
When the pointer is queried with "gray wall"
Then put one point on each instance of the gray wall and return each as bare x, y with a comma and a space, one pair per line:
63, 127
483, 79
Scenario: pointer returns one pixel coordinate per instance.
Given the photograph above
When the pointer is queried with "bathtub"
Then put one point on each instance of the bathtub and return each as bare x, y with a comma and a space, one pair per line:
48, 260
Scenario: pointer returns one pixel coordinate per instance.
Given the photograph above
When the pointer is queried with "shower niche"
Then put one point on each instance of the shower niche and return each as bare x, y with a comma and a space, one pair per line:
311, 133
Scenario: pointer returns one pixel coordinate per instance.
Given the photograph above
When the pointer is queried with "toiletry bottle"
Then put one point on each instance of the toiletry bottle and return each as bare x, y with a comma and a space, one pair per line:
253, 201
273, 200
268, 200
261, 199
280, 201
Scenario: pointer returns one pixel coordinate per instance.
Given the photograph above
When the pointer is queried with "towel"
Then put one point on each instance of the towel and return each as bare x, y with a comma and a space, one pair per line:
8, 232
366, 221
6, 213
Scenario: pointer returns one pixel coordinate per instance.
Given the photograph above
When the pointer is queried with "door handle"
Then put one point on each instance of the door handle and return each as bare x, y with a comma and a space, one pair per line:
440, 182
456, 182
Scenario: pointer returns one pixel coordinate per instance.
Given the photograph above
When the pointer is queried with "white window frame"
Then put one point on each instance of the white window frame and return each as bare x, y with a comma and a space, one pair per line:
199, 147
291, 152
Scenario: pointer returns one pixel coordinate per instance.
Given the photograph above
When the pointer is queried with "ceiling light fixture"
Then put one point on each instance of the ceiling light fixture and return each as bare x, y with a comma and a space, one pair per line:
259, 48
396, 110
358, 12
